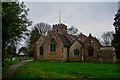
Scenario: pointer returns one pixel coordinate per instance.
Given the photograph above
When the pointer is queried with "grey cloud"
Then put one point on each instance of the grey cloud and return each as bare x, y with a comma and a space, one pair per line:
94, 17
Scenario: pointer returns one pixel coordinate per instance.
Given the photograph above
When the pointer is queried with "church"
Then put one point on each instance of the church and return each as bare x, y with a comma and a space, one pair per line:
60, 46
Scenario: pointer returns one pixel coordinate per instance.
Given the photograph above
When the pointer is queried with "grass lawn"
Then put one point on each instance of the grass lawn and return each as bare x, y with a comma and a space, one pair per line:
39, 69
8, 63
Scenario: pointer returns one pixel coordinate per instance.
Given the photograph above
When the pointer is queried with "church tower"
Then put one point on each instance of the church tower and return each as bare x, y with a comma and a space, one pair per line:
60, 27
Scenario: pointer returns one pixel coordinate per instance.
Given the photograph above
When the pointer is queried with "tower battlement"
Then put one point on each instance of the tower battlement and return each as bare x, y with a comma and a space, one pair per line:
61, 28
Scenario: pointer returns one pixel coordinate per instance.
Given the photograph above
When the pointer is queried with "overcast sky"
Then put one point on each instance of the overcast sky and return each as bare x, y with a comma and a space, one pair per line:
88, 17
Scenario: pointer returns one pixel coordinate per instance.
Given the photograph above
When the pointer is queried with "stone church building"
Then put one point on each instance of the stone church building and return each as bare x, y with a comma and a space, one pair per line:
58, 45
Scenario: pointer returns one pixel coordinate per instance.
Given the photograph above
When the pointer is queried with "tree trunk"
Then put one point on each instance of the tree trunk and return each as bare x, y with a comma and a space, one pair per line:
3, 63
3, 52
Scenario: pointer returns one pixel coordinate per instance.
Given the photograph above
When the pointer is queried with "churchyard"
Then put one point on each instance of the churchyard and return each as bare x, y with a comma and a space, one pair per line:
44, 40
38, 69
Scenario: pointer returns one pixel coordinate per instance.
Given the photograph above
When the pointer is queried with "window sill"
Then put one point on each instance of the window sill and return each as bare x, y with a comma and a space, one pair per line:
76, 55
52, 52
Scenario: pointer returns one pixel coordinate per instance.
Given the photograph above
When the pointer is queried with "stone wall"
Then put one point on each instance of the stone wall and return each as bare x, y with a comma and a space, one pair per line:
40, 43
59, 54
65, 55
95, 45
65, 52
72, 57
107, 55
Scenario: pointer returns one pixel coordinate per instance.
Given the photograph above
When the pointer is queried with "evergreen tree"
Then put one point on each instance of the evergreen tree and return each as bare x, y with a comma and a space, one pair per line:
14, 22
116, 40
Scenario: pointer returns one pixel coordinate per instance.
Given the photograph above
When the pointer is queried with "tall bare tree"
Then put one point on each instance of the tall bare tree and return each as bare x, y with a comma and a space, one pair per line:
43, 28
72, 30
37, 30
107, 38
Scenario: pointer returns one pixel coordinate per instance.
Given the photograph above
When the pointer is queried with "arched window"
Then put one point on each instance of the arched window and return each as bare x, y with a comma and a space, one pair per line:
90, 51
76, 52
52, 46
41, 50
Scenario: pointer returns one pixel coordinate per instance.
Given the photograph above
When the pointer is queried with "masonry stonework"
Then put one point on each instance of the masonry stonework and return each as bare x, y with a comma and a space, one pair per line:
58, 45
72, 56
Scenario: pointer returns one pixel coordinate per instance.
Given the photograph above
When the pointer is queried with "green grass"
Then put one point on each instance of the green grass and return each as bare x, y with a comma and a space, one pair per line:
8, 62
0, 67
39, 69
118, 60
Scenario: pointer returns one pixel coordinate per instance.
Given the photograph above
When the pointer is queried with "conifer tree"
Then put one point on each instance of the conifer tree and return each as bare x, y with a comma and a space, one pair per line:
116, 40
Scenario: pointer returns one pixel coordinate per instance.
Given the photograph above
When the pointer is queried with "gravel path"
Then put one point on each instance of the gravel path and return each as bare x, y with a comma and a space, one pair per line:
12, 69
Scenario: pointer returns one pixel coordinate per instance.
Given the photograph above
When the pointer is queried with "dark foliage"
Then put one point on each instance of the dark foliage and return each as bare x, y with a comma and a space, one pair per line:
116, 40
14, 22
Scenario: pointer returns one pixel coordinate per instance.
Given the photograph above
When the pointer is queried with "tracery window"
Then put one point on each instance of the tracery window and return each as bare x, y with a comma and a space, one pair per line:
76, 52
90, 51
52, 46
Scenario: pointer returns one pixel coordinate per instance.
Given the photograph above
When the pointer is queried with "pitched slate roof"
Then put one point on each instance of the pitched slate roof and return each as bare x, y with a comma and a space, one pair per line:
41, 40
73, 37
64, 40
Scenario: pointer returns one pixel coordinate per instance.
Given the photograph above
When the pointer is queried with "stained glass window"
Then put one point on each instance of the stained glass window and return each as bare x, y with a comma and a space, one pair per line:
76, 52
90, 51
52, 46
